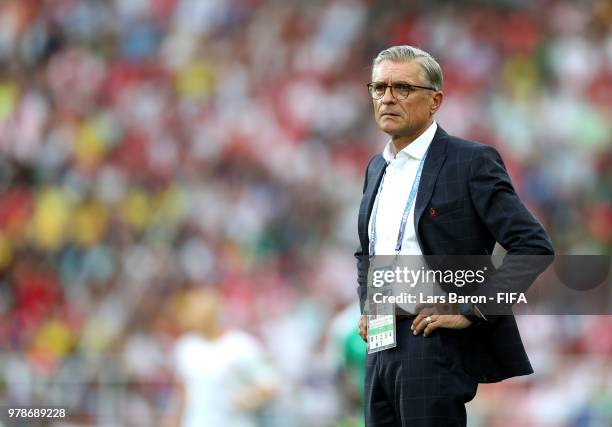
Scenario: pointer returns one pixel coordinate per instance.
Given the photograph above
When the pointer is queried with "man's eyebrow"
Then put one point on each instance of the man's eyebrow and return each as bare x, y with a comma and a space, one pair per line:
393, 83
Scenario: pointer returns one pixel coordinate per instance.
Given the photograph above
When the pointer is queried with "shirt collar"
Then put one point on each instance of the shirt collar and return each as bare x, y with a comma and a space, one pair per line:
415, 149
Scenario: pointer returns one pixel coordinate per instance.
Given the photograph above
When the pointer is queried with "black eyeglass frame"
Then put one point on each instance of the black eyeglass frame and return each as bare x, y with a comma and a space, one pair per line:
411, 87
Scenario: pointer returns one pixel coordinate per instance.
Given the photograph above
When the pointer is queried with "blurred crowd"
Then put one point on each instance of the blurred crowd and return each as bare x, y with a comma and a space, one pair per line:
149, 147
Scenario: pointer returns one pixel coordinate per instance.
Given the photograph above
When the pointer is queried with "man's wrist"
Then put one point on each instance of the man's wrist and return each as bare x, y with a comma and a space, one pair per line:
472, 313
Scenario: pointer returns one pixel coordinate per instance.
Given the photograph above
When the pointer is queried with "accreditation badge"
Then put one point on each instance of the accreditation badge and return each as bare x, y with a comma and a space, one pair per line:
381, 332
381, 316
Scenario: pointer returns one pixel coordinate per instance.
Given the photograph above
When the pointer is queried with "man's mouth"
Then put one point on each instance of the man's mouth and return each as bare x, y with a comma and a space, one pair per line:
388, 114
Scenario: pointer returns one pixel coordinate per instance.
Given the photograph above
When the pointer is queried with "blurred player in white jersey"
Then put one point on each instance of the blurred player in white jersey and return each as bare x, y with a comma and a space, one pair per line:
223, 376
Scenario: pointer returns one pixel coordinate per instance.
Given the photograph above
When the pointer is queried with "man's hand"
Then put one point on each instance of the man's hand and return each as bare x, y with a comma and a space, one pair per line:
429, 319
363, 327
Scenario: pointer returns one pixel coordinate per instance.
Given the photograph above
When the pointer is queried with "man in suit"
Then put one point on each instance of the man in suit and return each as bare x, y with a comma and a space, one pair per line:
463, 203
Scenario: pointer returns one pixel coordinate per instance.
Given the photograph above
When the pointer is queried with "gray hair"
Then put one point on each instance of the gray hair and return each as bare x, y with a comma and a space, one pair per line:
431, 68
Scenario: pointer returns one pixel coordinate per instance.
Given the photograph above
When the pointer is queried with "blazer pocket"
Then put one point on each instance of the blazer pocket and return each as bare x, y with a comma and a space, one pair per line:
438, 210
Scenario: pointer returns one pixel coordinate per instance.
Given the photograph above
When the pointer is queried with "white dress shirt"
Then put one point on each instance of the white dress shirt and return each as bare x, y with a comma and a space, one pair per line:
393, 195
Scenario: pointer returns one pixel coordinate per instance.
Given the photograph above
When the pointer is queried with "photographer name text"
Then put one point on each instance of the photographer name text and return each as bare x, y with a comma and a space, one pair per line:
450, 298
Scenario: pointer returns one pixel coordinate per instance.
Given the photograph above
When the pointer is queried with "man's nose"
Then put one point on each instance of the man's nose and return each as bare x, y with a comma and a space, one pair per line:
388, 97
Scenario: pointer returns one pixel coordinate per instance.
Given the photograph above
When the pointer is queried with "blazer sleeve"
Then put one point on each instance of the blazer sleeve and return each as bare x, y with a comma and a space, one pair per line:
363, 264
529, 249
362, 255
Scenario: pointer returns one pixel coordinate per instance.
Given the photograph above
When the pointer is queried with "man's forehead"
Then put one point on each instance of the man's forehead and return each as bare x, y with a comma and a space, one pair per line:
394, 71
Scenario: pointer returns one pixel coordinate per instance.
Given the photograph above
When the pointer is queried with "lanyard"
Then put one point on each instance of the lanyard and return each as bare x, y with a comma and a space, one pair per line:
409, 202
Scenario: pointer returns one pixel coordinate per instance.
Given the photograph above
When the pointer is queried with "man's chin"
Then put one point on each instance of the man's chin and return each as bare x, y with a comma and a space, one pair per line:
389, 128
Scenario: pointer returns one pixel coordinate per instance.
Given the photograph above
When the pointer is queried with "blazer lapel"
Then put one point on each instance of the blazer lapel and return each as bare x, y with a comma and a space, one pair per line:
375, 174
435, 158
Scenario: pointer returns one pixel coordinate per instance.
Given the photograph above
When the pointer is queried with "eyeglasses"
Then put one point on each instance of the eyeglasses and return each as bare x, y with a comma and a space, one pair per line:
399, 90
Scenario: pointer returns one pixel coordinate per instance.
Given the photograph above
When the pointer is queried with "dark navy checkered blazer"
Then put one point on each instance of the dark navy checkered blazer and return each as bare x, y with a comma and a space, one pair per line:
466, 203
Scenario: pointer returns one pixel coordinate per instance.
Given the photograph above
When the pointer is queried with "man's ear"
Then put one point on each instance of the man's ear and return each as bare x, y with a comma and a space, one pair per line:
437, 102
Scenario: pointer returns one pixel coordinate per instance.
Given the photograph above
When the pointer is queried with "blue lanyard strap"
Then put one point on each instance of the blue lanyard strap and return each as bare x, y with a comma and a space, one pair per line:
409, 202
